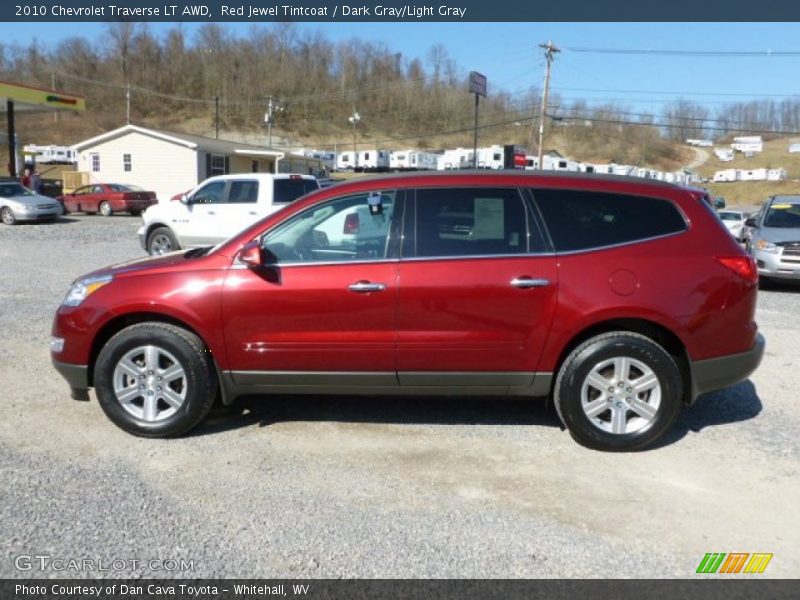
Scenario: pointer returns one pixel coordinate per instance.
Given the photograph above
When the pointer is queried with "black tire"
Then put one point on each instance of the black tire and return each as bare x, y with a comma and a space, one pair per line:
134, 212
189, 350
155, 238
104, 208
567, 393
7, 216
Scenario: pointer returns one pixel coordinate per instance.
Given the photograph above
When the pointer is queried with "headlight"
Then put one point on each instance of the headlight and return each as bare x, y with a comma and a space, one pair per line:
766, 246
82, 288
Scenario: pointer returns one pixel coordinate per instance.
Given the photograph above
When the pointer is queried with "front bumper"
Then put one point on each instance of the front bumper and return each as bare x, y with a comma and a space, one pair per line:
771, 264
77, 377
38, 214
718, 373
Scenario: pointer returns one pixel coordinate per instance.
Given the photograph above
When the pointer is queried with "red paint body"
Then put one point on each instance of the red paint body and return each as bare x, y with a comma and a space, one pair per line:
436, 315
88, 199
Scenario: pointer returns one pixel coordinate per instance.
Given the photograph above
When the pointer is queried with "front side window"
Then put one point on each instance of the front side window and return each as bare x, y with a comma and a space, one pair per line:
581, 220
212, 193
243, 192
346, 229
470, 222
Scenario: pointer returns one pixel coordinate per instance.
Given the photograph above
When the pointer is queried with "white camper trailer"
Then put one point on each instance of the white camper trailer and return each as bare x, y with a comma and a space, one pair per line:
400, 160
459, 158
366, 160
726, 175
50, 154
724, 154
748, 143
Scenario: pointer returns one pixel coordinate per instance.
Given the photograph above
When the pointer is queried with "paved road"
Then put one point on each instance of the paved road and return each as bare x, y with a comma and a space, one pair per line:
289, 487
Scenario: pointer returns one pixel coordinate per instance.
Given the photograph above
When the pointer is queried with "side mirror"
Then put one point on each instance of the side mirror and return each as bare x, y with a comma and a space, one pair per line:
251, 255
751, 222
185, 199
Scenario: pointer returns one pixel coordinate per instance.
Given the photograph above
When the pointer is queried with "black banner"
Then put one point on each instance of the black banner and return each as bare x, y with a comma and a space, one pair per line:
393, 11
407, 589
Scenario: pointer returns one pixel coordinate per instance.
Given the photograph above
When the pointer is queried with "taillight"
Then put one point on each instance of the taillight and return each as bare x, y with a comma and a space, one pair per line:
351, 223
743, 266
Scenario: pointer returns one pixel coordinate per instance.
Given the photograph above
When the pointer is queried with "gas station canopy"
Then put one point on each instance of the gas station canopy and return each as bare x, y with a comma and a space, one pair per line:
32, 99
24, 98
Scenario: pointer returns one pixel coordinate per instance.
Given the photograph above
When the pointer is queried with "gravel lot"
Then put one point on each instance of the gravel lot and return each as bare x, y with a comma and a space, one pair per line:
310, 487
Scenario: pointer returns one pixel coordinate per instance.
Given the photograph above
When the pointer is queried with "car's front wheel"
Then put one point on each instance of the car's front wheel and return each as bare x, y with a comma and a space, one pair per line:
155, 380
618, 391
7, 216
161, 241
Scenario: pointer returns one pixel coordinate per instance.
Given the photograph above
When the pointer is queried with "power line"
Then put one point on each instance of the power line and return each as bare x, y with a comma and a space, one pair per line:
709, 53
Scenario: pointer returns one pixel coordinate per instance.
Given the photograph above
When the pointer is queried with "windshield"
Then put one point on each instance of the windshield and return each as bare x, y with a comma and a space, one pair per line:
14, 189
730, 216
289, 190
784, 215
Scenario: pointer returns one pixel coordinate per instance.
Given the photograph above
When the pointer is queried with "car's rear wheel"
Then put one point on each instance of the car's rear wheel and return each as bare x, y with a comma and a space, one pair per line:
105, 209
135, 212
618, 391
155, 380
161, 241
7, 216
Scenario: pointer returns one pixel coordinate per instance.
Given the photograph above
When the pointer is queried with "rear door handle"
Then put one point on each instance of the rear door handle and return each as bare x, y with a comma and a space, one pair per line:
366, 286
529, 282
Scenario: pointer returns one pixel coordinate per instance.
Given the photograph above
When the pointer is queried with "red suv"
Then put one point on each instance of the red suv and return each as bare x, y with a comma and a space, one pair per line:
620, 299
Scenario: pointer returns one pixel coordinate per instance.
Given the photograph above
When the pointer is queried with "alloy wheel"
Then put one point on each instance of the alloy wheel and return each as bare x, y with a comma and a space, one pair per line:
150, 383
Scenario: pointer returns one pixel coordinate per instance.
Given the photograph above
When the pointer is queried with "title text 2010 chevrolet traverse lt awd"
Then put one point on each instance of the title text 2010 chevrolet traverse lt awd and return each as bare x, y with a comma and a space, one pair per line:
620, 299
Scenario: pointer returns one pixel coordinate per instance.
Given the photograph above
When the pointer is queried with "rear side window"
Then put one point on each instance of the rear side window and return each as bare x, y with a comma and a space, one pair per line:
243, 192
289, 190
470, 222
581, 220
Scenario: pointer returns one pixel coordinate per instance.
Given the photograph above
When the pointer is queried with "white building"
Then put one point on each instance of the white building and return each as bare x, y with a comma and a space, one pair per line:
724, 154
794, 148
726, 175
326, 157
700, 143
49, 154
748, 143
165, 162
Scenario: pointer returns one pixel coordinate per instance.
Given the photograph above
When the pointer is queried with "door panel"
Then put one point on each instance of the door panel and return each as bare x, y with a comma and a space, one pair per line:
478, 288
465, 315
305, 318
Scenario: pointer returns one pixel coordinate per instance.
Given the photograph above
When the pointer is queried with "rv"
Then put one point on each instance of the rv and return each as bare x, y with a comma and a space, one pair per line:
366, 160
50, 154
412, 160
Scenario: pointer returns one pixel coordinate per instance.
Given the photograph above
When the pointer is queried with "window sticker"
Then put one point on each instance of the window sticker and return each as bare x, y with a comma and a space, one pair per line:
489, 219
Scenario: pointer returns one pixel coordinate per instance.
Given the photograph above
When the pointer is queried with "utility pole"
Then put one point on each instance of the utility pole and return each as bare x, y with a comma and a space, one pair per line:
53, 87
128, 103
272, 108
354, 119
216, 116
550, 51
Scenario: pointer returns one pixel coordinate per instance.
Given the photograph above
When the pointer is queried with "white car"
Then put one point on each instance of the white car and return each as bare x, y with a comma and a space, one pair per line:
734, 221
219, 208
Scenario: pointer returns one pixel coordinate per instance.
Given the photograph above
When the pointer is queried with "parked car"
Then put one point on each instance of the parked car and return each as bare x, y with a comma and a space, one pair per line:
491, 283
734, 221
107, 199
775, 238
18, 203
219, 208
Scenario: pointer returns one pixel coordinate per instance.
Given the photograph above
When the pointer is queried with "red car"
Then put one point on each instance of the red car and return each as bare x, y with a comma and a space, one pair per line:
108, 198
620, 299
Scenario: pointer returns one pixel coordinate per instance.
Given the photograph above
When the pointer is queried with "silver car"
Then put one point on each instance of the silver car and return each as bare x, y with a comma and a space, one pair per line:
18, 203
775, 238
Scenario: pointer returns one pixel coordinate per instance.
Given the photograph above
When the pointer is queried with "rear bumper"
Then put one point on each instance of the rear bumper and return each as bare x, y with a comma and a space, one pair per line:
77, 377
718, 373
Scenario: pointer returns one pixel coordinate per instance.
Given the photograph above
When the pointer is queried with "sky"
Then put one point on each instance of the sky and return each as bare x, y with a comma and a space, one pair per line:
507, 53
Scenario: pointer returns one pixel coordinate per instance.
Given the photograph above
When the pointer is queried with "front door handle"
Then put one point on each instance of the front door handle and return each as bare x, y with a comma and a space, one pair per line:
529, 282
366, 286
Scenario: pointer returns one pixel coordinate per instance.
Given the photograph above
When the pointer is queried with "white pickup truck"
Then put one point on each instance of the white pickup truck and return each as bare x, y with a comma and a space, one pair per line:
218, 208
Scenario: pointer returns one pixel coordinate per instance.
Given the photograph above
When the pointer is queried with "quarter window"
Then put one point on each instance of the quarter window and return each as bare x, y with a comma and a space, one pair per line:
470, 222
581, 220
